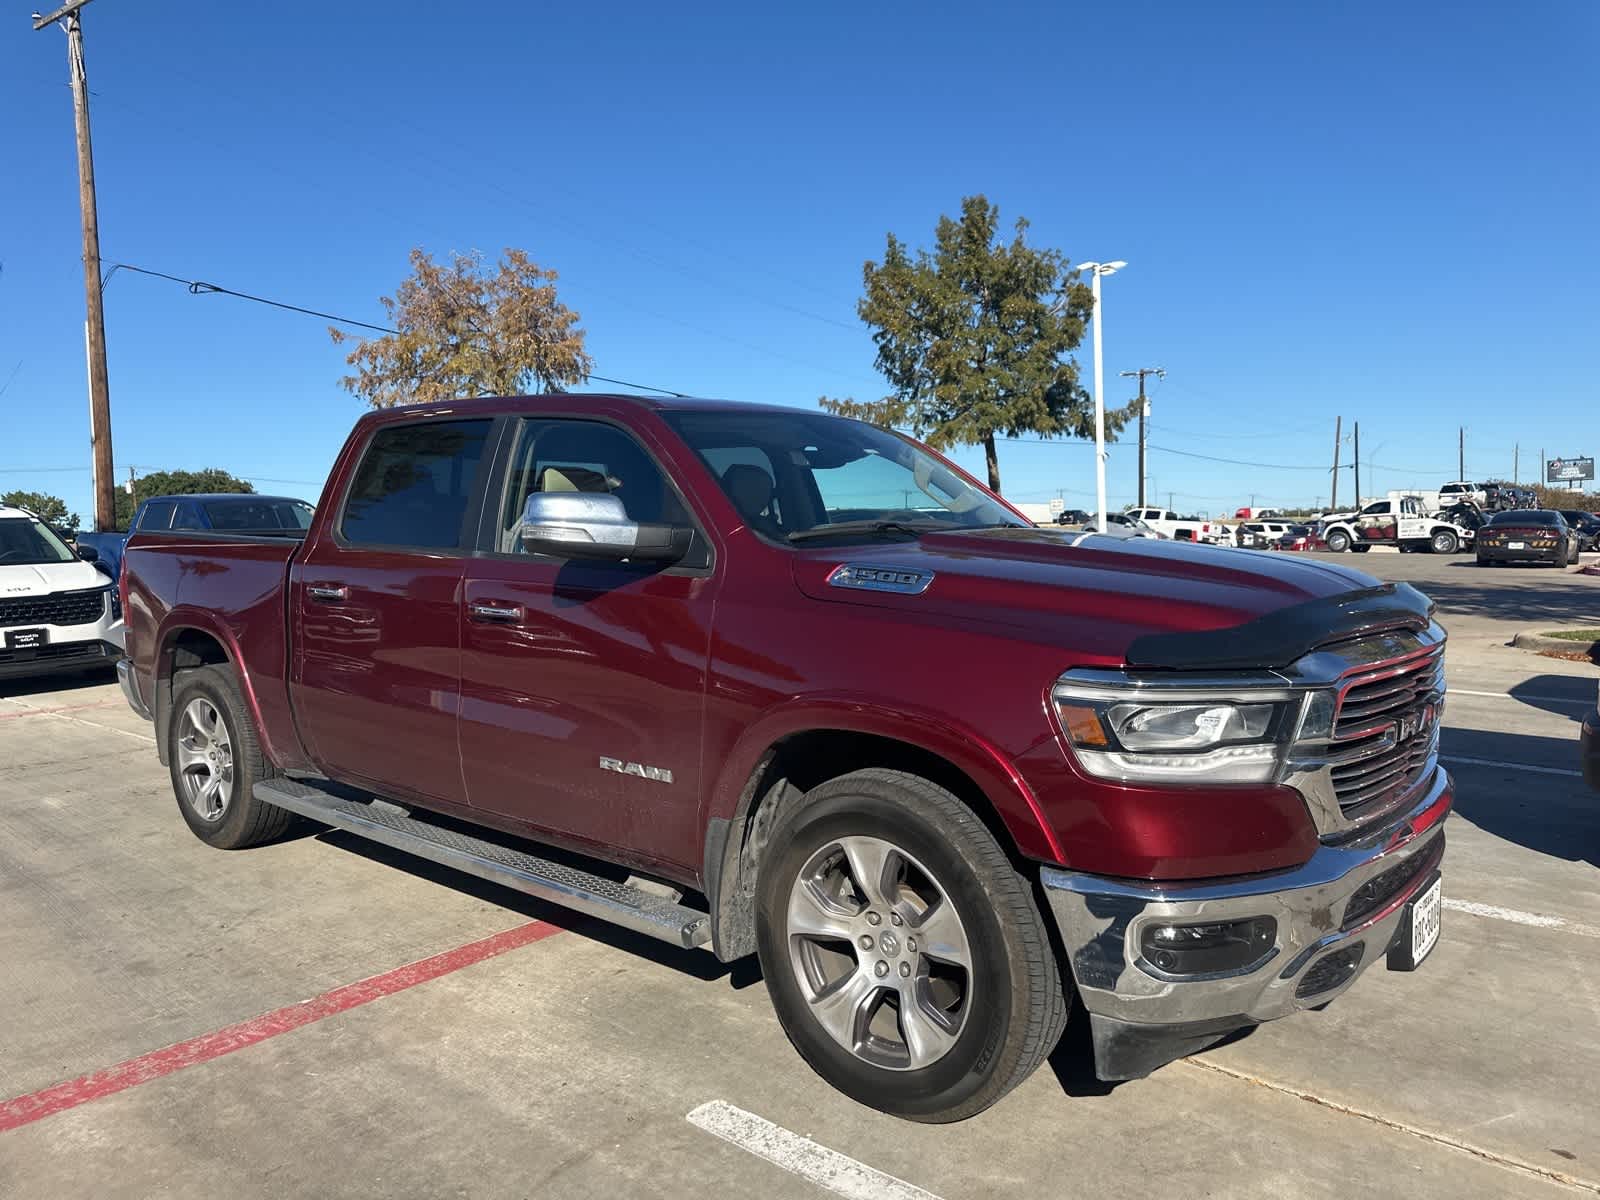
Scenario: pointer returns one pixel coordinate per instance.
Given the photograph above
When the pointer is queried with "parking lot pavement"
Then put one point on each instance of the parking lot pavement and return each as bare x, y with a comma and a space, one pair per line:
529, 1052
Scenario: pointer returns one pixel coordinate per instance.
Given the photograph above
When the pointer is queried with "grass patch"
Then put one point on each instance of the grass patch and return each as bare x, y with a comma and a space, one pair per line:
1574, 635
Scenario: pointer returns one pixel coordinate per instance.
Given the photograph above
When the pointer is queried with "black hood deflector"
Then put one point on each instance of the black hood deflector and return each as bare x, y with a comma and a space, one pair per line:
1279, 638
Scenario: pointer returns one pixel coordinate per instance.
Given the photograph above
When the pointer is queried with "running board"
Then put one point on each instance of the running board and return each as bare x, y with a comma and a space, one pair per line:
631, 907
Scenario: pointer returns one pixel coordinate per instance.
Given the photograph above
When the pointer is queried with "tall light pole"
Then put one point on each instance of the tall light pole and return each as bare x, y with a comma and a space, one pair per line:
1096, 271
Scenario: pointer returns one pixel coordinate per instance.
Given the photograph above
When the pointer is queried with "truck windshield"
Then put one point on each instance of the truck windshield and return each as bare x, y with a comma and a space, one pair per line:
25, 541
794, 474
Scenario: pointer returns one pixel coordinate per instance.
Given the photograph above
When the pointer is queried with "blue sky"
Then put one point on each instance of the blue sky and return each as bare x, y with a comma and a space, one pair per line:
1382, 211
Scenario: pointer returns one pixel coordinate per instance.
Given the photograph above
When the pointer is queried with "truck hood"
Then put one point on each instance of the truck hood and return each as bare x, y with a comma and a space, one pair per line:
1119, 601
43, 578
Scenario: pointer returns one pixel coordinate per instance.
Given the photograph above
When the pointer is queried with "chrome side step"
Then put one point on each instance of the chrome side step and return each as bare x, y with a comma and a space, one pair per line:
631, 907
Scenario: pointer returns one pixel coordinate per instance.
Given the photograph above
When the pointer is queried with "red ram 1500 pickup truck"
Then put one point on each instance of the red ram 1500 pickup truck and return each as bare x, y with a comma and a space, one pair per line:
775, 682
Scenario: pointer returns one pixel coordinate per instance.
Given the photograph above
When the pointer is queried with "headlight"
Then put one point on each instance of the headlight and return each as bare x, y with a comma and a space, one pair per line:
1170, 734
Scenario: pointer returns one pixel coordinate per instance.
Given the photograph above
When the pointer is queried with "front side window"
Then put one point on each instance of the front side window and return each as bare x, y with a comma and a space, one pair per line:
27, 542
566, 455
797, 475
413, 483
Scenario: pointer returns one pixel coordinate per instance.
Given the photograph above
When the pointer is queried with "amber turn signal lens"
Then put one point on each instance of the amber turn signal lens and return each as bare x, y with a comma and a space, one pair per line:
1082, 725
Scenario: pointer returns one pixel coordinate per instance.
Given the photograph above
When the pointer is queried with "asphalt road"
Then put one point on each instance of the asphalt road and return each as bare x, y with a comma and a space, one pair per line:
461, 1040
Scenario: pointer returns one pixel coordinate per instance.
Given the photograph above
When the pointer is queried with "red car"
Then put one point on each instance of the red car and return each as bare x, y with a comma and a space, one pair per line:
774, 682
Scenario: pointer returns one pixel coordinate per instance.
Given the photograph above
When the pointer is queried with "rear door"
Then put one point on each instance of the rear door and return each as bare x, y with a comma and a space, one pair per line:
583, 683
376, 605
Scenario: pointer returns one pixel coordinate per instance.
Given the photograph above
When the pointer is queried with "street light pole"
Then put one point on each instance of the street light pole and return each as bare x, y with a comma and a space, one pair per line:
1097, 270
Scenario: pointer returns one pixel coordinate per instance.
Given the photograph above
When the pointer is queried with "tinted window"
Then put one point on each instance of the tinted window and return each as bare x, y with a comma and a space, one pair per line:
1527, 516
157, 514
587, 456
25, 541
268, 515
413, 483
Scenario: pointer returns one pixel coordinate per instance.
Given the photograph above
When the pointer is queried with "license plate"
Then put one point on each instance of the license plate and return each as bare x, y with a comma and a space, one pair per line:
1516, 545
25, 639
1419, 931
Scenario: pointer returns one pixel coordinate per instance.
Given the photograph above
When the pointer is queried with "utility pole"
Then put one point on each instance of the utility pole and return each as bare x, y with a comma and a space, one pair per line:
1358, 464
95, 324
1144, 413
1333, 500
1516, 464
1461, 453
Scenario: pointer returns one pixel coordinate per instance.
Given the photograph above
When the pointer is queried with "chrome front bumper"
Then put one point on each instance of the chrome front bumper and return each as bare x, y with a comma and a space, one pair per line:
1102, 920
130, 688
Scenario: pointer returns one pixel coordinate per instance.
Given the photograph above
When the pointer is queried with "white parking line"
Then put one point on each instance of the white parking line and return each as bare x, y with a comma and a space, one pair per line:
1455, 691
1517, 917
32, 711
1510, 766
838, 1173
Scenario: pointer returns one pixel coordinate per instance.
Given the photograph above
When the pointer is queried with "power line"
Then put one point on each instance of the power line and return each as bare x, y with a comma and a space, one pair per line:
1239, 462
199, 287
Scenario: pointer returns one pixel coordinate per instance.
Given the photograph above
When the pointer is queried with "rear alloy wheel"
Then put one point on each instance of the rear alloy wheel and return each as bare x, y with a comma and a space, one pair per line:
1338, 541
216, 760
904, 954
1444, 542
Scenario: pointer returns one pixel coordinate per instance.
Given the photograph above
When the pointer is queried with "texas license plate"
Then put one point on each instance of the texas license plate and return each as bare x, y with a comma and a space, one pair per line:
1419, 930
1516, 545
25, 639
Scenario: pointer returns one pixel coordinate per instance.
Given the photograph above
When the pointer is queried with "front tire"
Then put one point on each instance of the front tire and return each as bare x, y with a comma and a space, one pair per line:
216, 760
904, 955
1338, 541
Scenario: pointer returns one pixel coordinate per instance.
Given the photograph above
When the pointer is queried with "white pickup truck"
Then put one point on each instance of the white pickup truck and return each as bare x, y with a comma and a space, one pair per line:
1164, 520
1403, 523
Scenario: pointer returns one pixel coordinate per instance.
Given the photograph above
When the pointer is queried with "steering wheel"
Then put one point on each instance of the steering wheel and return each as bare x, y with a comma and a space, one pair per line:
9, 554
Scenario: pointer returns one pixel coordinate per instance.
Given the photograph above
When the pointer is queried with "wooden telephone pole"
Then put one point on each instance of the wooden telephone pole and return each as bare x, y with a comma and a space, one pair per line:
95, 324
1144, 411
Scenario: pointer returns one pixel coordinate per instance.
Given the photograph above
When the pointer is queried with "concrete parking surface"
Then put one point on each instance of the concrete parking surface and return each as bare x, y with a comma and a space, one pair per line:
156, 1039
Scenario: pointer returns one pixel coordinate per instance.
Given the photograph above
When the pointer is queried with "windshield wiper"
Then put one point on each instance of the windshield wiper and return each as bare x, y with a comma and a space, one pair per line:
845, 528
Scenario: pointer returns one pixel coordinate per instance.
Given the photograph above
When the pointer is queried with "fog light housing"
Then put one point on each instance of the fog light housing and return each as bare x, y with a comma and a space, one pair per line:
1214, 948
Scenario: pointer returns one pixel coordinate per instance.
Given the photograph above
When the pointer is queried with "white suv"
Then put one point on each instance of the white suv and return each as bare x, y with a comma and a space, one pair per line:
57, 613
1461, 489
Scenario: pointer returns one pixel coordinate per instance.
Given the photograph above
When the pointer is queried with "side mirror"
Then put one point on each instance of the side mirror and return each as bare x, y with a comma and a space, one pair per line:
594, 525
89, 554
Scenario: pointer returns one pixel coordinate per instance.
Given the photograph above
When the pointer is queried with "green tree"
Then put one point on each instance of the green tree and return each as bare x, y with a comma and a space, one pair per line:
463, 331
52, 510
974, 337
176, 483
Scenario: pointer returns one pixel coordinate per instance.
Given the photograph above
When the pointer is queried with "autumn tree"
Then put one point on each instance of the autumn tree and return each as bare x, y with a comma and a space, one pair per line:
176, 483
52, 510
974, 338
463, 330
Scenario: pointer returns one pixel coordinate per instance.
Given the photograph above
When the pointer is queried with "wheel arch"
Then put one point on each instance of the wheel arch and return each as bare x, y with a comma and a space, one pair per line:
191, 639
759, 786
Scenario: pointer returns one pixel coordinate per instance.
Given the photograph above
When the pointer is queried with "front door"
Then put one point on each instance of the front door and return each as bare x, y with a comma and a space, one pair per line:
377, 610
583, 683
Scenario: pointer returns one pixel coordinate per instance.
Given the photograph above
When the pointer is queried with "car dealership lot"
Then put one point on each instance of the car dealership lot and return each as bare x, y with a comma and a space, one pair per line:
532, 1052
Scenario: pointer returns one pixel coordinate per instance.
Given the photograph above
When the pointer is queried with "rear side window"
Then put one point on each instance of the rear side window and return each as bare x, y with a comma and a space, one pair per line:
157, 515
413, 483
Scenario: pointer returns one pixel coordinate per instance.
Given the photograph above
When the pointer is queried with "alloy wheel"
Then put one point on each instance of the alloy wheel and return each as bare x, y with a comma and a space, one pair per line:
205, 759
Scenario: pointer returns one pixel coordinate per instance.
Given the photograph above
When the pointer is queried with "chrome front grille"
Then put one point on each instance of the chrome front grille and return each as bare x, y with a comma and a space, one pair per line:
1369, 752
1386, 731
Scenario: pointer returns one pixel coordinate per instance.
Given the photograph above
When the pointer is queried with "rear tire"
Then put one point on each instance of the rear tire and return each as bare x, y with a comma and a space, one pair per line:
216, 760
1360, 548
933, 1031
1444, 542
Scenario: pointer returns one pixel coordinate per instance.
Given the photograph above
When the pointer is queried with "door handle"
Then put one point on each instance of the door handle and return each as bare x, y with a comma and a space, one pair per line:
328, 595
503, 613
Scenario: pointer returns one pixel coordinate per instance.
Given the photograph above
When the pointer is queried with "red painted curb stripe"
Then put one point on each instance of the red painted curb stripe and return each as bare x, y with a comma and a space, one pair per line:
24, 1110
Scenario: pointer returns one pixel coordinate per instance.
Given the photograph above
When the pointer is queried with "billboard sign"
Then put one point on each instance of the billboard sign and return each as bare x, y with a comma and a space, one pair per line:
1568, 470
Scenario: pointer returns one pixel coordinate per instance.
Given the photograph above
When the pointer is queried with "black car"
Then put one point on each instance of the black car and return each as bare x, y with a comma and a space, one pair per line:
1072, 516
1587, 526
1527, 535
